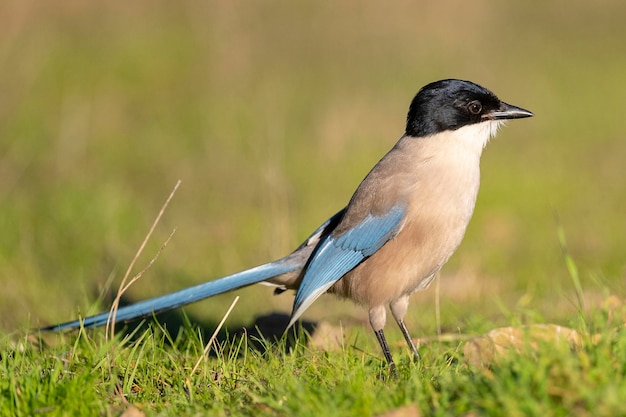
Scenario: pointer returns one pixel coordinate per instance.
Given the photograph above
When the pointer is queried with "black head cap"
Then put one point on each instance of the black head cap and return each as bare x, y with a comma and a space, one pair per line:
451, 104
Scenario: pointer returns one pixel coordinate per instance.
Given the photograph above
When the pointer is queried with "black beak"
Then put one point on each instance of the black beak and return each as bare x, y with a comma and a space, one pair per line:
508, 111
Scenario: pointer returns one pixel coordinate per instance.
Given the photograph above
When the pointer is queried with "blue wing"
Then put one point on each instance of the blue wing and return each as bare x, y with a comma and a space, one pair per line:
337, 255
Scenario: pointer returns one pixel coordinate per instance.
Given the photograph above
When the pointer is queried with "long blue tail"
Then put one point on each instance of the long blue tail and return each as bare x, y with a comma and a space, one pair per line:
296, 260
186, 296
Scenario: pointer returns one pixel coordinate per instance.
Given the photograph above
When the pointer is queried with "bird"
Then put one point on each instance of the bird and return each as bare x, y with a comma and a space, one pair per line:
402, 224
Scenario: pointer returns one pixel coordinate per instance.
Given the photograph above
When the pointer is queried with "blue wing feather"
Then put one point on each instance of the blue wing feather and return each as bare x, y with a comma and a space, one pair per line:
337, 255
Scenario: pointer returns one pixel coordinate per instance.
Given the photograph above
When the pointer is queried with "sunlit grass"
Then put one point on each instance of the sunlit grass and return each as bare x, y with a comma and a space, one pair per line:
156, 372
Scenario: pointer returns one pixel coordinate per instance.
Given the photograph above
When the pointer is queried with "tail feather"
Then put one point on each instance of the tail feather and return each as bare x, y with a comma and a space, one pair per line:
295, 261
185, 296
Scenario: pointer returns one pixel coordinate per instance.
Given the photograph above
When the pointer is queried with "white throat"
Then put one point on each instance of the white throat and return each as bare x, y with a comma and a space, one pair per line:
476, 136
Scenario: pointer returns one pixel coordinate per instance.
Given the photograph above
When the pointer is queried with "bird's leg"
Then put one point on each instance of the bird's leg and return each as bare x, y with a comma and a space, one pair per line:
385, 347
398, 310
378, 317
409, 340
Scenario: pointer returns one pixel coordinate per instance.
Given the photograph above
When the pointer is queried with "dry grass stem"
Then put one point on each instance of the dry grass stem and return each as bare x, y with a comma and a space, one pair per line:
438, 304
210, 343
110, 327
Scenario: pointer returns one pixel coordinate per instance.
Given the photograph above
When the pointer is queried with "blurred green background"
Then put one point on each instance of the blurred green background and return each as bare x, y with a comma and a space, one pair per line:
271, 113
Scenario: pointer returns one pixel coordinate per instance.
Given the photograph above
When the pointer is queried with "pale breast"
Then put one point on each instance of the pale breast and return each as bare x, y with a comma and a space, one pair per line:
440, 187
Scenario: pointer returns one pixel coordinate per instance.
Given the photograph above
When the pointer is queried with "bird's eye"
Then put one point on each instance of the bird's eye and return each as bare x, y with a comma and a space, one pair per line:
475, 107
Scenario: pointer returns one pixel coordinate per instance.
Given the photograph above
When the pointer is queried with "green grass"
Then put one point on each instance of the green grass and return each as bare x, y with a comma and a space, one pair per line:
86, 375
271, 113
